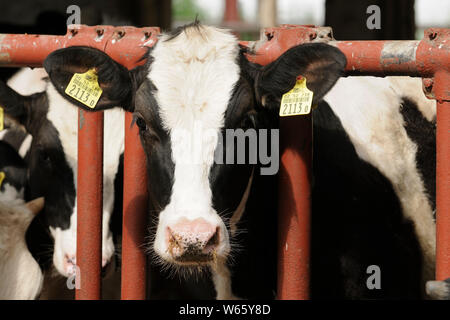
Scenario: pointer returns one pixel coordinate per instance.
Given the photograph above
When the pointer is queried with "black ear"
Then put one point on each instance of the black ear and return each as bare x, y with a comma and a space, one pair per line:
16, 107
319, 63
117, 83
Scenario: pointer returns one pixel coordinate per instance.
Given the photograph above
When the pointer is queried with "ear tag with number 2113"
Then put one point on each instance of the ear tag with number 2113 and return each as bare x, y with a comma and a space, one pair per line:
84, 88
297, 101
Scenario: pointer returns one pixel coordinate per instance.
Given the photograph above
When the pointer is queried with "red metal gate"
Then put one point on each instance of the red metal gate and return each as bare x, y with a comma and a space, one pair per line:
428, 59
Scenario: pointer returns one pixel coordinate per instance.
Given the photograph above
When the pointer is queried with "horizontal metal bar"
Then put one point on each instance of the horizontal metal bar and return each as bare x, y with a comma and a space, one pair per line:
126, 45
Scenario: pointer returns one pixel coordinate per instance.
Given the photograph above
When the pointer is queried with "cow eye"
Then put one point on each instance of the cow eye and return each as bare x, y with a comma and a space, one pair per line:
44, 157
140, 122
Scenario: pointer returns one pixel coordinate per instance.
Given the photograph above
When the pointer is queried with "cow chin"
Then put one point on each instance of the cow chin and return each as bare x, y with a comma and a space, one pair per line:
64, 252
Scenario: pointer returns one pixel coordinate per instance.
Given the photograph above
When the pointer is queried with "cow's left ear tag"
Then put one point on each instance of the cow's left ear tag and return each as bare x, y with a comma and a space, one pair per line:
2, 177
2, 119
84, 88
297, 101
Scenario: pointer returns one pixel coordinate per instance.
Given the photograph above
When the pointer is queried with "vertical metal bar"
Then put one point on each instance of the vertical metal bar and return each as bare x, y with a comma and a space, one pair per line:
89, 204
294, 207
441, 89
134, 215
231, 11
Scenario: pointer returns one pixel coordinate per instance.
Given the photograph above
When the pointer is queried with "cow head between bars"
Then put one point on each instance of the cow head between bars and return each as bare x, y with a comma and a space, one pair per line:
52, 123
196, 78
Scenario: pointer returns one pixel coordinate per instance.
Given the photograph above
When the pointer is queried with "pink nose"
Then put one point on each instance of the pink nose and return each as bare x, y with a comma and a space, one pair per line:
192, 240
69, 264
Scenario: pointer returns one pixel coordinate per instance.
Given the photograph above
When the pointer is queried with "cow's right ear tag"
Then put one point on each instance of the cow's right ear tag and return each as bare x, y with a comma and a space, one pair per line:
2, 177
2, 119
84, 88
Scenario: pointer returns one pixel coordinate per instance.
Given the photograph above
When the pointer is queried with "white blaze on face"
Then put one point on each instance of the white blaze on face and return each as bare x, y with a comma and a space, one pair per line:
63, 116
194, 74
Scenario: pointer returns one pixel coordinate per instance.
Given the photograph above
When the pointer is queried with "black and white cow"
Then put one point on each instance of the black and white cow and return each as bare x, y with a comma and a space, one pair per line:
198, 82
50, 151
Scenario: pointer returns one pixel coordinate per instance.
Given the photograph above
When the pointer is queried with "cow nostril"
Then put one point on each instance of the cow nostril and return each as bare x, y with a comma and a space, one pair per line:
70, 259
174, 242
212, 243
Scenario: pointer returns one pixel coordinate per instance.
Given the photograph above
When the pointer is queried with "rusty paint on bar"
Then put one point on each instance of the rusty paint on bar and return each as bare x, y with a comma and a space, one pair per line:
135, 201
126, 45
134, 215
294, 208
89, 204
442, 90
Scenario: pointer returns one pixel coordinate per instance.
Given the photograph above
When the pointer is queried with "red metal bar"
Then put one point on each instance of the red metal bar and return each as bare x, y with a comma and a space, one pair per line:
123, 44
134, 261
382, 58
134, 215
442, 90
231, 11
294, 207
89, 204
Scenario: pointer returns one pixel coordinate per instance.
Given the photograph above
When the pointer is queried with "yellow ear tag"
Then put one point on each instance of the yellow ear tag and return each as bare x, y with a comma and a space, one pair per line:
84, 88
296, 101
2, 177
2, 120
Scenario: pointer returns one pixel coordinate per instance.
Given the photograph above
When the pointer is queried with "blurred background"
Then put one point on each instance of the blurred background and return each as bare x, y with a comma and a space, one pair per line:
400, 19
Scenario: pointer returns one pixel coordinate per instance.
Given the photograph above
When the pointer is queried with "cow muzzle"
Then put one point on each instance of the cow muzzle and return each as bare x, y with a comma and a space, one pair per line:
192, 241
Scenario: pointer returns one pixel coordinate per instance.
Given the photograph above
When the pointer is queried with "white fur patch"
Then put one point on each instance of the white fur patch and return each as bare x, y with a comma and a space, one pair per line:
26, 82
11, 194
369, 109
194, 74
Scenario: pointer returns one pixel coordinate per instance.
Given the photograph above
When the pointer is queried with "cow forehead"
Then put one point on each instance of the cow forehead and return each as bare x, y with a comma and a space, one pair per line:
195, 74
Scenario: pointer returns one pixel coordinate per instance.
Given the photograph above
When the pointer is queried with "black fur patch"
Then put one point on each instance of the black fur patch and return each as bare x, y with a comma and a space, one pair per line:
423, 133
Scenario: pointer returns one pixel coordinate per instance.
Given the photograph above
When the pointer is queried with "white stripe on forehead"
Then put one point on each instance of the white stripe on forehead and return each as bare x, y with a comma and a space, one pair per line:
195, 74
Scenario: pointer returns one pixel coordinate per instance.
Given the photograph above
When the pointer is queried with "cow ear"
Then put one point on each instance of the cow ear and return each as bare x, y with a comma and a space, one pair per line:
319, 63
117, 83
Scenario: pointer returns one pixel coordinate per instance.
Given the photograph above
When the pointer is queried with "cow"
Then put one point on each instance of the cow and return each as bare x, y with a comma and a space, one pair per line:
50, 151
197, 81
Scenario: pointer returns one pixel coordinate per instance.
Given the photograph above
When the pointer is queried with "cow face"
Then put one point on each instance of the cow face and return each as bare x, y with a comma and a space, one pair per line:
197, 83
52, 164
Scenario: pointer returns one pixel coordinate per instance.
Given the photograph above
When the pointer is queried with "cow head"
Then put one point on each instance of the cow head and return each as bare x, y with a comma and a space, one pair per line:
52, 162
196, 84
